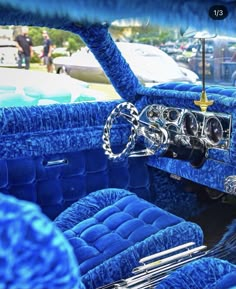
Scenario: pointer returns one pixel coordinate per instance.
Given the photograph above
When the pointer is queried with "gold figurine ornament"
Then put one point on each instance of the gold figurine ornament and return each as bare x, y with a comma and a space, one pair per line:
203, 103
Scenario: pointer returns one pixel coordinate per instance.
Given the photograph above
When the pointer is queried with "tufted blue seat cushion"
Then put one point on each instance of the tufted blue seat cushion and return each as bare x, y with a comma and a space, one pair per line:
118, 229
115, 228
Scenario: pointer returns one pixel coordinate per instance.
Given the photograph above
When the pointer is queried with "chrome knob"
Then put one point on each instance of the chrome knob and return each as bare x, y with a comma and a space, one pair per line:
230, 185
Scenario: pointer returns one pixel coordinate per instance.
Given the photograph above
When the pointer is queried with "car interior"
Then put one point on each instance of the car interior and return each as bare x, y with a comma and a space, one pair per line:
137, 192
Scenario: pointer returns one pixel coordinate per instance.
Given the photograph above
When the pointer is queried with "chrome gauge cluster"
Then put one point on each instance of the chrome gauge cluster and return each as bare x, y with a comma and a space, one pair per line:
215, 129
212, 129
170, 132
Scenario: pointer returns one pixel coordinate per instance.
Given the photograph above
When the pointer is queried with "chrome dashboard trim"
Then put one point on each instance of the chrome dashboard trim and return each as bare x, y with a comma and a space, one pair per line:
205, 125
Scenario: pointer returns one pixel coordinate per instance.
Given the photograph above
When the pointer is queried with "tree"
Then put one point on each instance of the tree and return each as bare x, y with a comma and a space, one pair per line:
73, 45
148, 34
36, 35
59, 37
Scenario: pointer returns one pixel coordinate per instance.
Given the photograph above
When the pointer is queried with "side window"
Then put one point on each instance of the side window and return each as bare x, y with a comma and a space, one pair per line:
41, 66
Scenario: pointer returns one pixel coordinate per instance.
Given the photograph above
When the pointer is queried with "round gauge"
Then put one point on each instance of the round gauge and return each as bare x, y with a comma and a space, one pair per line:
213, 130
153, 113
171, 114
172, 128
189, 124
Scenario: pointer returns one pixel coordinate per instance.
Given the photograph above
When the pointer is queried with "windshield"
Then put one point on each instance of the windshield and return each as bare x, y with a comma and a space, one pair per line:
150, 63
155, 54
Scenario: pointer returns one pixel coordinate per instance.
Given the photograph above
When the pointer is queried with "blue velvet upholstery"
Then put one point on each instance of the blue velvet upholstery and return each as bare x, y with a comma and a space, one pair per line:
111, 59
209, 272
172, 195
33, 252
42, 130
111, 229
183, 96
228, 281
33, 137
56, 187
205, 273
59, 13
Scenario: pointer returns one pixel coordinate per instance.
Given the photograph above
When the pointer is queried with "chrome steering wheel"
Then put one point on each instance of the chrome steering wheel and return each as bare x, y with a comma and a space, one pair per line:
155, 135
133, 118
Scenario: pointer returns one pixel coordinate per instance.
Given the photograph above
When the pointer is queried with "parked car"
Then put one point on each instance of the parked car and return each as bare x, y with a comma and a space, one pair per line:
38, 50
20, 87
149, 63
189, 51
220, 67
8, 53
60, 51
170, 48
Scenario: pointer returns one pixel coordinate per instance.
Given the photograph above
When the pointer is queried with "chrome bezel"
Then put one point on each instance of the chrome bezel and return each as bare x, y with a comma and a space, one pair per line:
208, 139
153, 108
183, 129
168, 111
177, 130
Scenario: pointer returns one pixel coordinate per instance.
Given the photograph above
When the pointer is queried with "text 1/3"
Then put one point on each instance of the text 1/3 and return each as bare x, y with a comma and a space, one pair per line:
218, 12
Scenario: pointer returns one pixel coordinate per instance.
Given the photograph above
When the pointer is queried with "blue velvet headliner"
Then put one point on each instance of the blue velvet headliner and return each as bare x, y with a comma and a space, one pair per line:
173, 12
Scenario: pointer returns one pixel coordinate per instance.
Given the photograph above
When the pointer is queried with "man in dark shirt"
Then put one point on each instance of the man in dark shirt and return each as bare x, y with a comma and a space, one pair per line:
25, 50
47, 51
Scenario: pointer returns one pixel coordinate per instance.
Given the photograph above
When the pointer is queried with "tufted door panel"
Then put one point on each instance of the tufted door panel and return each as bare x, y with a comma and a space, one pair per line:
56, 181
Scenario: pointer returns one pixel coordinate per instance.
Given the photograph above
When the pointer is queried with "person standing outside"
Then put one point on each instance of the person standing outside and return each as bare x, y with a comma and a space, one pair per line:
25, 48
233, 58
47, 51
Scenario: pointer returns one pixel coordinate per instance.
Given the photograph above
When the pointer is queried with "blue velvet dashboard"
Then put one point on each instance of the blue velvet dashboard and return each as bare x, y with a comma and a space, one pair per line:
219, 163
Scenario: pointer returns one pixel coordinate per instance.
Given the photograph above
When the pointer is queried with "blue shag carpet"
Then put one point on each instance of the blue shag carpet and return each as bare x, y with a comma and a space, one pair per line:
172, 195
